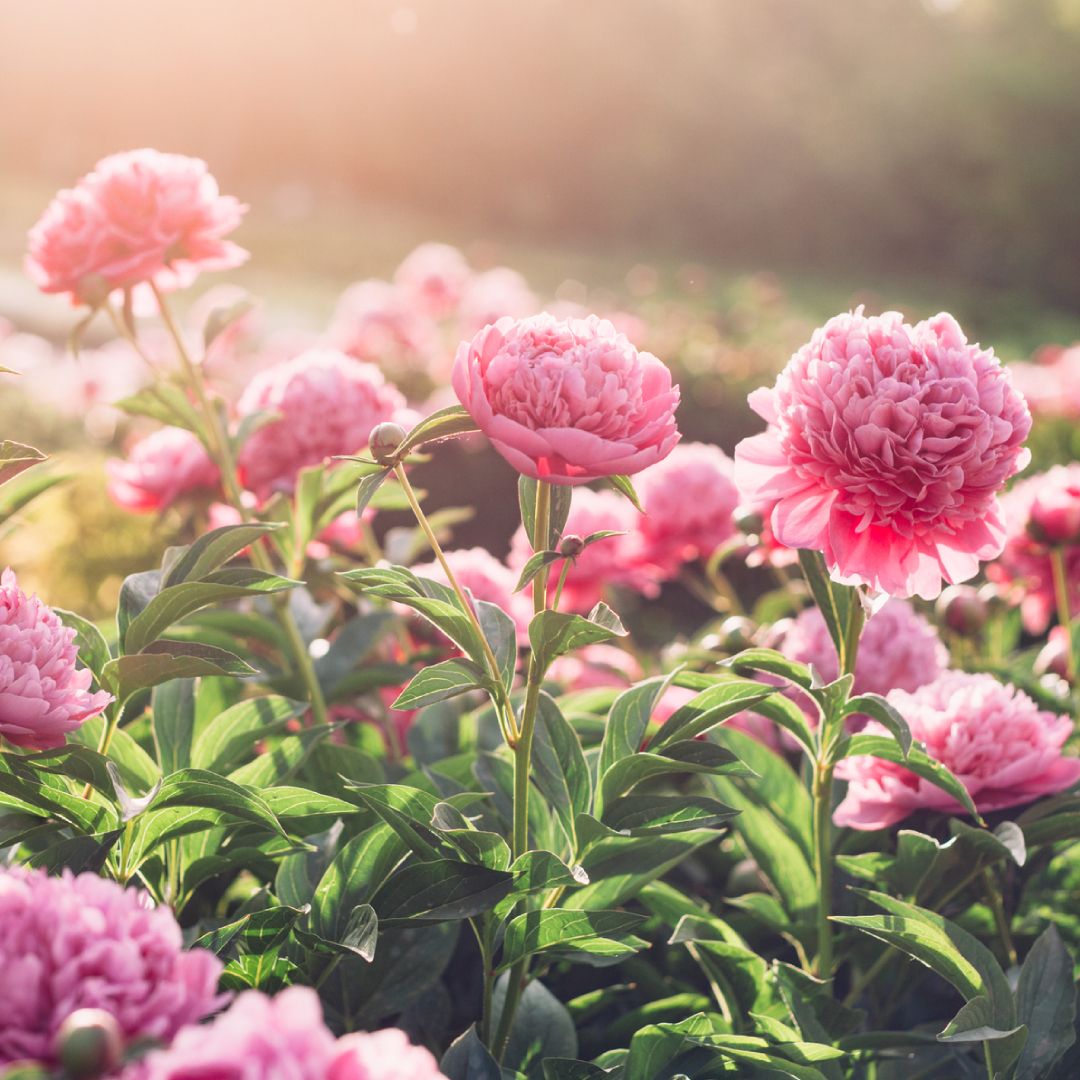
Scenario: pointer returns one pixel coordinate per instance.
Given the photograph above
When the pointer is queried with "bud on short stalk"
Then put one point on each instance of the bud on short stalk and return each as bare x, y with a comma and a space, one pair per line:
1055, 517
963, 610
572, 546
89, 1043
384, 441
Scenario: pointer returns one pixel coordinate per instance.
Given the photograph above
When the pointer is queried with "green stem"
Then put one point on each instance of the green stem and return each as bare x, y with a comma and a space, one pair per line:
993, 898
822, 793
1061, 594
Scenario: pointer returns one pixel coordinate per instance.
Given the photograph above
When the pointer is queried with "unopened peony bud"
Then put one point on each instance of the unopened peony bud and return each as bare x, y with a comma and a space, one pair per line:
1053, 658
749, 522
1055, 516
89, 1043
572, 546
384, 441
737, 633
962, 609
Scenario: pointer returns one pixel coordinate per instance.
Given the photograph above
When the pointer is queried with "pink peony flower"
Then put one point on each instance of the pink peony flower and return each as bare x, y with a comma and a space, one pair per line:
594, 667
377, 322
488, 579
886, 447
569, 401
140, 216
160, 469
433, 279
993, 737
382, 1055
1024, 567
615, 560
76, 942
1052, 383
327, 404
689, 500
43, 695
493, 295
899, 649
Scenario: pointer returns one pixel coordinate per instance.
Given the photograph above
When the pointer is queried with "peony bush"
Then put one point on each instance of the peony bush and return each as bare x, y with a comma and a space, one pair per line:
674, 778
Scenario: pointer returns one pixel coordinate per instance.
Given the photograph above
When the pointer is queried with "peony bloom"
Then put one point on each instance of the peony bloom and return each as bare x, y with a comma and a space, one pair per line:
160, 469
886, 447
1035, 507
382, 1055
993, 737
327, 404
899, 649
595, 667
568, 401
1052, 383
615, 560
43, 695
433, 279
140, 216
689, 500
76, 942
488, 579
377, 322
493, 295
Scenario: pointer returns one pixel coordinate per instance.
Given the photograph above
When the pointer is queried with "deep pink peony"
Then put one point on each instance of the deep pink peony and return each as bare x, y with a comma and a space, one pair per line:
899, 649
488, 579
615, 560
382, 1055
140, 216
493, 295
433, 278
377, 322
689, 500
1050, 499
567, 401
43, 695
886, 447
160, 469
75, 942
993, 737
327, 402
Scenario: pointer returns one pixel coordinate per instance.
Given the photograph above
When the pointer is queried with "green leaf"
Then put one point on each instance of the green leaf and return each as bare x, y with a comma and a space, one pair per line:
439, 682
534, 871
467, 1058
172, 710
834, 601
1046, 1005
166, 402
228, 739
19, 493
542, 1027
561, 495
136, 592
708, 709
212, 550
651, 815
197, 788
628, 720
255, 932
408, 811
879, 709
89, 640
535, 564
773, 662
585, 936
444, 424
15, 457
555, 633
501, 633
367, 488
624, 486
223, 316
267, 972
559, 768
975, 1023
440, 890
164, 660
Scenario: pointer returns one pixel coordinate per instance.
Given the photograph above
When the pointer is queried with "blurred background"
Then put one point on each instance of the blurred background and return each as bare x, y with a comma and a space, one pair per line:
730, 172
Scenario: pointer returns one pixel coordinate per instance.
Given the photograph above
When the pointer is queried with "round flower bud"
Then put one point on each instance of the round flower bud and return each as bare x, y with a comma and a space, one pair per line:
384, 441
1053, 658
962, 609
572, 546
89, 1043
1055, 514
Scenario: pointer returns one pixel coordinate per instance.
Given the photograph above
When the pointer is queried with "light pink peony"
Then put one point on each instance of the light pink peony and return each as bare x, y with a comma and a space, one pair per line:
382, 1055
1024, 567
595, 667
160, 469
140, 216
886, 447
76, 942
899, 649
377, 322
569, 401
615, 560
433, 279
43, 695
493, 295
327, 402
1052, 383
689, 500
488, 579
993, 737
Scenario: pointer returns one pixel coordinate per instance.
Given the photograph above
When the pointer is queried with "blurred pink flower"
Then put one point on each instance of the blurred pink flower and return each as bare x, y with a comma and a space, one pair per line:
689, 500
594, 667
615, 560
160, 469
567, 402
327, 403
1024, 568
993, 737
377, 322
488, 579
1051, 383
140, 216
493, 295
381, 1055
76, 942
899, 649
433, 279
886, 447
43, 695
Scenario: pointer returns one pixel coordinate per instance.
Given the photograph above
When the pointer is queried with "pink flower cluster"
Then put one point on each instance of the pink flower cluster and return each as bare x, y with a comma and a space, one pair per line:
1040, 512
263, 1038
886, 447
325, 404
43, 695
1051, 383
160, 469
75, 942
993, 737
567, 401
138, 217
